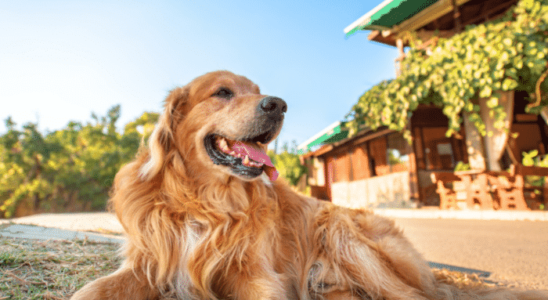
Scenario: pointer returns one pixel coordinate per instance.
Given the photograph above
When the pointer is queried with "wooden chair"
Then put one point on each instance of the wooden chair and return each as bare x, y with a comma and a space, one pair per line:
509, 190
477, 190
448, 197
535, 171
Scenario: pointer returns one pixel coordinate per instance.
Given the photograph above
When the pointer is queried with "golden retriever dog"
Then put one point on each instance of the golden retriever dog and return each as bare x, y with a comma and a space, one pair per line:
206, 218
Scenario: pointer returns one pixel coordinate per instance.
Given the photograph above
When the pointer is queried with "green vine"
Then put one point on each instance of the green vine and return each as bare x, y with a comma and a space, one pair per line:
503, 55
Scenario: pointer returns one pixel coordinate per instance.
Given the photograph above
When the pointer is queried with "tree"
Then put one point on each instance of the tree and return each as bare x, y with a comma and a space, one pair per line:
288, 164
68, 169
23, 154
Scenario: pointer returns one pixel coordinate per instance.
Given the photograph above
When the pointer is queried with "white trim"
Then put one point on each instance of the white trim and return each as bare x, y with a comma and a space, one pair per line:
303, 145
365, 18
425, 16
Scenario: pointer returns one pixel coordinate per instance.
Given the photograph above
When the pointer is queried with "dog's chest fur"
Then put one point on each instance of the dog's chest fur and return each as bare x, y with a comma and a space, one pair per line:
197, 236
192, 236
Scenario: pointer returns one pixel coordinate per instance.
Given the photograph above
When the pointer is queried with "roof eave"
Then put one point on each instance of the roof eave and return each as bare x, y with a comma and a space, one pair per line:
427, 15
363, 20
329, 128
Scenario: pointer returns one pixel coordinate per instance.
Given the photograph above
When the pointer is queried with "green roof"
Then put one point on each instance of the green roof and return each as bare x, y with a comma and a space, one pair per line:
333, 133
388, 14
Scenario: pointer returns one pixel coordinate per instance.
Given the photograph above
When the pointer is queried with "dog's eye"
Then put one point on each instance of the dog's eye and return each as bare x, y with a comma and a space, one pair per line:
224, 93
322, 286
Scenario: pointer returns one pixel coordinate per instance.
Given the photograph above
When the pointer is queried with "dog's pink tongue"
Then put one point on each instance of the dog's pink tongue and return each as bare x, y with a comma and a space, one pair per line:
258, 156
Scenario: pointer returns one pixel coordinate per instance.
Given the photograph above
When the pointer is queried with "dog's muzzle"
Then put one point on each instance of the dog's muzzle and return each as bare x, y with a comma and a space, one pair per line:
244, 154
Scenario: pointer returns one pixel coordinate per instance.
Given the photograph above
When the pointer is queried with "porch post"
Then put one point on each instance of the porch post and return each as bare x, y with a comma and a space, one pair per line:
474, 145
401, 56
495, 142
544, 114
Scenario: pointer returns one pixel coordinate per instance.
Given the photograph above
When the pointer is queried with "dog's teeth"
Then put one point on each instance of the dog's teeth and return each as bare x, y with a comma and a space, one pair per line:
223, 144
232, 153
246, 160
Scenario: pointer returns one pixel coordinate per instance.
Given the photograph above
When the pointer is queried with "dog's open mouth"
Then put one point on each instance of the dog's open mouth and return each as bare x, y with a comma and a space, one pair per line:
245, 158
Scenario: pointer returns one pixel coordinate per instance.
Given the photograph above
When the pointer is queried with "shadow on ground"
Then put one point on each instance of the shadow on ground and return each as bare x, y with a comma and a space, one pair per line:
480, 273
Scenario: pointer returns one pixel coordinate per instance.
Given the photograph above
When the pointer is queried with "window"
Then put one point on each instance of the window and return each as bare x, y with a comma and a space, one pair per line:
398, 153
439, 152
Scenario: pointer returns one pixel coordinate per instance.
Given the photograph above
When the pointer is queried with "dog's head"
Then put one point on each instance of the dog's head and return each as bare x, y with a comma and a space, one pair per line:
218, 122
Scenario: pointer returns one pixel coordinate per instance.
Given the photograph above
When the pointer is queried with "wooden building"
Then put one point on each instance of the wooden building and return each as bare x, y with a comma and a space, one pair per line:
379, 168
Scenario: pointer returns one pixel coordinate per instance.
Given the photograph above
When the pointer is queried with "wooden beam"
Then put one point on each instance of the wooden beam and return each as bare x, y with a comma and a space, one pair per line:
456, 15
532, 171
323, 150
487, 12
374, 34
372, 136
426, 35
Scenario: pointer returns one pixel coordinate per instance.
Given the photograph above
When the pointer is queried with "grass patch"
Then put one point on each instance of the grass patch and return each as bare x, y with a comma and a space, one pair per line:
462, 280
31, 269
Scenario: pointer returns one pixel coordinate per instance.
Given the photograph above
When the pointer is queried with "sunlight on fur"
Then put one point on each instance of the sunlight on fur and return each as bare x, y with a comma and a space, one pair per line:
204, 220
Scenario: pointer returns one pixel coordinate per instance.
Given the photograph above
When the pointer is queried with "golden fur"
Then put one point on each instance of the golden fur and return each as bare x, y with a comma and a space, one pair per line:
197, 231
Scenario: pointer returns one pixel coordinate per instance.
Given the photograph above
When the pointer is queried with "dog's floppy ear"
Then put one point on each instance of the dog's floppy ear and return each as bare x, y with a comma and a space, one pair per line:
161, 140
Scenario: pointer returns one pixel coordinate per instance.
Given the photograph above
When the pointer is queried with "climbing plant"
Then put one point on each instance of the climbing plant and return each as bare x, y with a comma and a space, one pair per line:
502, 55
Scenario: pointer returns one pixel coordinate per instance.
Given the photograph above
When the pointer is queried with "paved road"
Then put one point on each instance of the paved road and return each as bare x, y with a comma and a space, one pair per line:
513, 251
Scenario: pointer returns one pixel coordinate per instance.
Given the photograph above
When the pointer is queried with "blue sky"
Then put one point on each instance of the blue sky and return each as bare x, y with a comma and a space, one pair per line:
63, 60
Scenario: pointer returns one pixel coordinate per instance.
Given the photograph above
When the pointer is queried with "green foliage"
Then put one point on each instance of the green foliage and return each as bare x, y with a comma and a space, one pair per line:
68, 169
502, 55
461, 166
533, 159
287, 163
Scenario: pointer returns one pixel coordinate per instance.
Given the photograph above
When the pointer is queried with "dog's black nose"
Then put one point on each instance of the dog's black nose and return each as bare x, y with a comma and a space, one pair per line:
272, 106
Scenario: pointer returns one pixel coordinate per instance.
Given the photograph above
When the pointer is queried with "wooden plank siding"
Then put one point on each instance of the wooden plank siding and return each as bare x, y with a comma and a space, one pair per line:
377, 151
341, 167
360, 162
365, 160
383, 152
